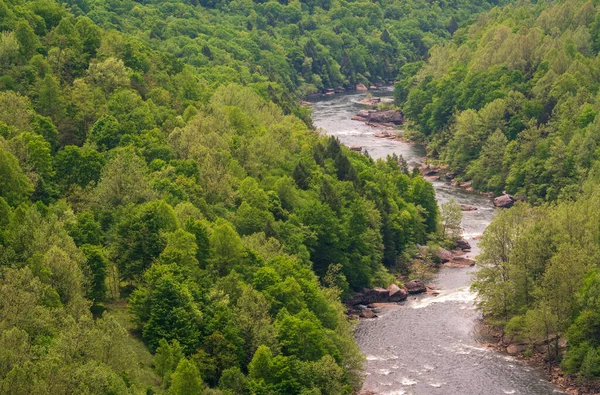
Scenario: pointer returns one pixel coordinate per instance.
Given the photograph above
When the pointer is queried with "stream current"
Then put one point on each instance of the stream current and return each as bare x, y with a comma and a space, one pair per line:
430, 344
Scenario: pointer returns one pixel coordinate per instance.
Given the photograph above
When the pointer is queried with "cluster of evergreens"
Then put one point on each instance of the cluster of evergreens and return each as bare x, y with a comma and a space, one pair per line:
512, 104
168, 221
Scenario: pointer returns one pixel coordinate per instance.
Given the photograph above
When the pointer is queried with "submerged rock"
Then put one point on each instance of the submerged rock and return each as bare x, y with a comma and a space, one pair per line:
368, 313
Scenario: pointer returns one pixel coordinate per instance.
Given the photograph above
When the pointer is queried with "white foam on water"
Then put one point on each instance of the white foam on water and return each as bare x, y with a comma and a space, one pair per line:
435, 385
476, 348
397, 392
384, 372
428, 367
509, 392
463, 295
407, 381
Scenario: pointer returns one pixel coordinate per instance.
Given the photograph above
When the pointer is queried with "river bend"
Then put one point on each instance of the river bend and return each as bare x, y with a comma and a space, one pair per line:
430, 344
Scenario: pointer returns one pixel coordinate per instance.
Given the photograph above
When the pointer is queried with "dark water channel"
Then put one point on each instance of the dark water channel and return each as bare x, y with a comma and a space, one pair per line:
431, 344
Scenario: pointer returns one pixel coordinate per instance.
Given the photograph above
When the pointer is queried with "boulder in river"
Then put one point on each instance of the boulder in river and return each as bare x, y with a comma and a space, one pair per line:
391, 116
443, 255
415, 287
429, 170
396, 294
365, 113
466, 207
459, 261
381, 294
504, 201
361, 87
463, 244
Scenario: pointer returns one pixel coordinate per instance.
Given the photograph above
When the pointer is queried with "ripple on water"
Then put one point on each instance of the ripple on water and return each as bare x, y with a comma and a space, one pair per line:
462, 294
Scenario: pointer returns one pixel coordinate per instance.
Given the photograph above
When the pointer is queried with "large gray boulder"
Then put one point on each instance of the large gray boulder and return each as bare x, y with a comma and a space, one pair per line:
463, 244
396, 294
443, 255
504, 201
391, 116
415, 287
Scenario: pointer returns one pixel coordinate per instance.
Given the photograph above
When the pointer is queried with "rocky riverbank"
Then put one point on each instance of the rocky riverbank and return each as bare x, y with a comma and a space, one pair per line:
368, 302
537, 355
430, 344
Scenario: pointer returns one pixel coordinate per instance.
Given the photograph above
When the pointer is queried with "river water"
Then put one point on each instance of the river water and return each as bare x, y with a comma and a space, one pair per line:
430, 344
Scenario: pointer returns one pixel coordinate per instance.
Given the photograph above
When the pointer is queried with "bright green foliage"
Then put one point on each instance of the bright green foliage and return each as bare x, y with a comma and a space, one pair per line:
80, 166
95, 270
166, 308
139, 239
511, 102
166, 359
156, 150
15, 187
538, 277
186, 379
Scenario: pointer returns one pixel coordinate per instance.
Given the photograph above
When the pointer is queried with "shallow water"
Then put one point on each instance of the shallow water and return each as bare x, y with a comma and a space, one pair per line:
432, 344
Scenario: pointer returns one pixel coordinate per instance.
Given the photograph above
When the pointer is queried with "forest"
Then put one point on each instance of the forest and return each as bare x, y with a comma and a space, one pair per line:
511, 104
170, 221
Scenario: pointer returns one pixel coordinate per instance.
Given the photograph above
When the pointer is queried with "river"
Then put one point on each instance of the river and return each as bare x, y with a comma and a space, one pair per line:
430, 344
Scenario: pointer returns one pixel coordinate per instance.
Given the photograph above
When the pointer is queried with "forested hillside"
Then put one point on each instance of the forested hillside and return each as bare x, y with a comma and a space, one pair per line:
512, 104
168, 221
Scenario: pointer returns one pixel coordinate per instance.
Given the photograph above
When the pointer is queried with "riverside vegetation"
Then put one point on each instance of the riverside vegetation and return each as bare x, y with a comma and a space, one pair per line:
511, 103
169, 221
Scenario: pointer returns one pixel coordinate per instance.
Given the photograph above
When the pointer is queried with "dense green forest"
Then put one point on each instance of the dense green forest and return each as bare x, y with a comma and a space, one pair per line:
169, 221
511, 103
